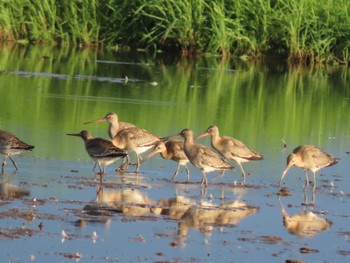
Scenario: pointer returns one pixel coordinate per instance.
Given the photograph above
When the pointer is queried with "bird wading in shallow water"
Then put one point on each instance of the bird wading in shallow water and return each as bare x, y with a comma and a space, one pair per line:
134, 139
102, 151
230, 148
309, 157
202, 157
11, 145
172, 150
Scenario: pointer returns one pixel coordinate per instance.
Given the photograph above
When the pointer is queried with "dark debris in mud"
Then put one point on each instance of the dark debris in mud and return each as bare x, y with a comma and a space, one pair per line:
306, 250
284, 191
15, 233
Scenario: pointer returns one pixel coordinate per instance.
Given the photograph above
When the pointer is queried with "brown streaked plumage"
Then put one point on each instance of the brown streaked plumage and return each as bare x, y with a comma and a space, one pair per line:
102, 151
114, 124
11, 145
172, 150
230, 148
202, 157
309, 157
136, 140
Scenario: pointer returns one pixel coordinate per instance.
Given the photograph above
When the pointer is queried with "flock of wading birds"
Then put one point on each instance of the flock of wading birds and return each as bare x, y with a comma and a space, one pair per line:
126, 137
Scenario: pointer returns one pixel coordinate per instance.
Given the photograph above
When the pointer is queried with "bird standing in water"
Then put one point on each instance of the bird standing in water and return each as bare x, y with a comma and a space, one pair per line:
172, 150
11, 145
202, 157
309, 157
230, 148
102, 151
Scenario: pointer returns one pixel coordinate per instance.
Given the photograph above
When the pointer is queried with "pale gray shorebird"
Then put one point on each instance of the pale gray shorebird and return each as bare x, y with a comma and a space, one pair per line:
134, 139
102, 151
114, 124
202, 157
172, 150
11, 145
309, 157
230, 148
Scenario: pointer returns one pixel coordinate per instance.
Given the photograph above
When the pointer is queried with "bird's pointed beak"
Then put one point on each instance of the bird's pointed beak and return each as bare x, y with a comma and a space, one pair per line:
94, 121
74, 134
150, 155
202, 135
284, 173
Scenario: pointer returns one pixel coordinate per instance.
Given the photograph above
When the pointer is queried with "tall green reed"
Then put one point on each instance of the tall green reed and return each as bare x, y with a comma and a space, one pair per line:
307, 31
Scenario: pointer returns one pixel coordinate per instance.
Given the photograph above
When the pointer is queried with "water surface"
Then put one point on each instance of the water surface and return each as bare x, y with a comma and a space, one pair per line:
53, 208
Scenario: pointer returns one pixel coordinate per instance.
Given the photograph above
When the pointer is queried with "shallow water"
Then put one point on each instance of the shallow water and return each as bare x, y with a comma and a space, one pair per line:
54, 209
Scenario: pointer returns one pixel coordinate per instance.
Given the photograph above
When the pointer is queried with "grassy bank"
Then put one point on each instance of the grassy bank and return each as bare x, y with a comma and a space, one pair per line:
305, 31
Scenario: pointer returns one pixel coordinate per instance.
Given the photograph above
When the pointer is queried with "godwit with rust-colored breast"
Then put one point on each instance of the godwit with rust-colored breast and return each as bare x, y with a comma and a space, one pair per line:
230, 148
114, 124
172, 150
202, 157
102, 151
136, 140
309, 157
11, 145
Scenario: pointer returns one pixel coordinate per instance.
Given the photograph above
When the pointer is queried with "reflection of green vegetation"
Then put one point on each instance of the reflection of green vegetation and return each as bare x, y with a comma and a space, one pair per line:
257, 104
310, 31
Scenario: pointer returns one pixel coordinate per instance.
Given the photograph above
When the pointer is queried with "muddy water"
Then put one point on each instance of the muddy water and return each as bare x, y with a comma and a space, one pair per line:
53, 209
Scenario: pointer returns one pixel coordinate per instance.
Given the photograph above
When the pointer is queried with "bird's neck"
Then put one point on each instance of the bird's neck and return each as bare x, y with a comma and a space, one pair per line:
215, 138
113, 129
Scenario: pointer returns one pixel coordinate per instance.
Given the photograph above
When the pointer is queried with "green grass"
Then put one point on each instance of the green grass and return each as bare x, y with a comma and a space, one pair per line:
302, 31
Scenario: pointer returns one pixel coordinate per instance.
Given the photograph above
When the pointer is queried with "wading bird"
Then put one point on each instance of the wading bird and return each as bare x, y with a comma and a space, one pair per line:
230, 148
11, 145
102, 151
202, 157
172, 150
309, 157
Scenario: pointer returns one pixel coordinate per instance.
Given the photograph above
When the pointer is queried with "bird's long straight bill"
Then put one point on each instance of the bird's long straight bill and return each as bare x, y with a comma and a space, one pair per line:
74, 134
201, 135
149, 156
94, 121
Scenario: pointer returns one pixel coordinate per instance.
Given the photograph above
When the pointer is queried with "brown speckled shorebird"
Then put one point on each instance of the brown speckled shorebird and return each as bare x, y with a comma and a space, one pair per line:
11, 145
309, 157
202, 157
172, 150
114, 124
134, 139
230, 148
102, 151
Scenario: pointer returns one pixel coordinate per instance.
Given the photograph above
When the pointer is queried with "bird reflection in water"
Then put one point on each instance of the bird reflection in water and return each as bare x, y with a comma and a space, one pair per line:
206, 216
304, 224
11, 191
126, 201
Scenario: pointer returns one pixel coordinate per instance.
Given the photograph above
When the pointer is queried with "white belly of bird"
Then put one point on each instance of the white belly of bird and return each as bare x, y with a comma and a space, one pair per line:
105, 161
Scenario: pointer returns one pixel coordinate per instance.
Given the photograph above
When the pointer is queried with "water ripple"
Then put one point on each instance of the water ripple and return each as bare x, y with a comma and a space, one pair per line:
114, 99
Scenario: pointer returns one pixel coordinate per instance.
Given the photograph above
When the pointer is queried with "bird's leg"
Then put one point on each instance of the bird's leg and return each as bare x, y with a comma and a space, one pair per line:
124, 165
204, 181
93, 169
188, 173
306, 179
204, 191
221, 174
243, 172
14, 164
139, 161
314, 187
176, 172
3, 165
